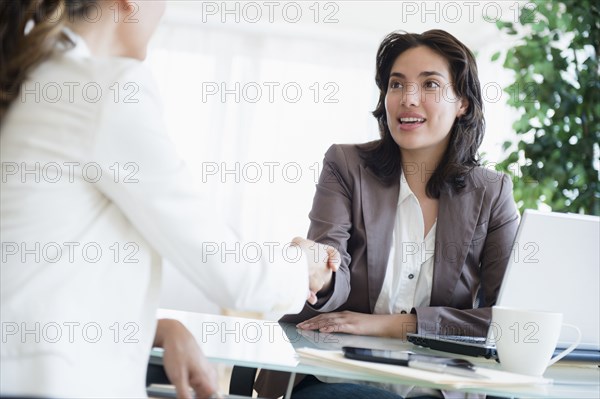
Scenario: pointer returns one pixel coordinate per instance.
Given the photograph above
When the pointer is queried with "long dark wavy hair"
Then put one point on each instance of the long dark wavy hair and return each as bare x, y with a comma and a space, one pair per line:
29, 31
383, 156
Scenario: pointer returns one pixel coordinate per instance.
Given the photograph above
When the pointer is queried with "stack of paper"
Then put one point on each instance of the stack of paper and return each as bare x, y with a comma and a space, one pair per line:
484, 376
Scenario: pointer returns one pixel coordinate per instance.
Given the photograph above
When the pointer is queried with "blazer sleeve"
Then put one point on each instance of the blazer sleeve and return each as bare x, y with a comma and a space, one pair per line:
331, 222
158, 194
502, 227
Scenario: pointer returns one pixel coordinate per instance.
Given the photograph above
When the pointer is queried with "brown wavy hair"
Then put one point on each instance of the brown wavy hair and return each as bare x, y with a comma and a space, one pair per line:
29, 31
466, 134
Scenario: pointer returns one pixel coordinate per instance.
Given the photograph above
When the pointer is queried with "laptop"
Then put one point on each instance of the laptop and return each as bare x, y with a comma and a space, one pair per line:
554, 266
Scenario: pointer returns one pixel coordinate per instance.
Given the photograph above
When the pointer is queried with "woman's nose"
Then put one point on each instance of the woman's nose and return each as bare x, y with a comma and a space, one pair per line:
411, 95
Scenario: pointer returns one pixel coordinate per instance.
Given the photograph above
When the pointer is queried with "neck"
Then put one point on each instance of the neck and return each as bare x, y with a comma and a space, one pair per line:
418, 167
100, 37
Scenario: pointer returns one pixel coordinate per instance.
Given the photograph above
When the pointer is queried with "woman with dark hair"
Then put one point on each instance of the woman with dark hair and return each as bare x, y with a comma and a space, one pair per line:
424, 232
93, 197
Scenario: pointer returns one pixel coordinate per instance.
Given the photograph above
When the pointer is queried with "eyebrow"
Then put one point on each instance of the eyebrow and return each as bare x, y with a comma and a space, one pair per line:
422, 74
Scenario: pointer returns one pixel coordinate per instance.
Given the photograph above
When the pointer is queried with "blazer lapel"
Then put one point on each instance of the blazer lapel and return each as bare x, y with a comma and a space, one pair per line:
457, 219
379, 205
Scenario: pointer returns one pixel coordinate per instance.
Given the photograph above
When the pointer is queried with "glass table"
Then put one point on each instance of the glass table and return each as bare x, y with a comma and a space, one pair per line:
264, 344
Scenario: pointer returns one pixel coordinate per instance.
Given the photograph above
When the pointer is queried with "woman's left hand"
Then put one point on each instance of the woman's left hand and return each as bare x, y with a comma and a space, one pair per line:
389, 325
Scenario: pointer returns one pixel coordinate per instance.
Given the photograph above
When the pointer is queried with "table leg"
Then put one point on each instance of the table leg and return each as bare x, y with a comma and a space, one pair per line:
290, 387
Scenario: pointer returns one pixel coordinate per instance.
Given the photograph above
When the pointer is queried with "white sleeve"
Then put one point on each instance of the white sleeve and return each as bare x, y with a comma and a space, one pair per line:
157, 194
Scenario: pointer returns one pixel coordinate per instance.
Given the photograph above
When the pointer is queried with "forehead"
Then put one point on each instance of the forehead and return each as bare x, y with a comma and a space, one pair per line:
418, 59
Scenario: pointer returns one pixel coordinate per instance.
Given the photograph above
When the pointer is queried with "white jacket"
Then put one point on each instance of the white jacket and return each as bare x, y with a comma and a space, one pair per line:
92, 196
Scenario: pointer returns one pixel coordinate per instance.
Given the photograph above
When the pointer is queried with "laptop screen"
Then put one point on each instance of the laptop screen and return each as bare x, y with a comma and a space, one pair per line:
555, 266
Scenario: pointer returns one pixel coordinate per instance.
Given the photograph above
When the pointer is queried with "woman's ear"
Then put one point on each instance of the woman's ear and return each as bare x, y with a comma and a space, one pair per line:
464, 106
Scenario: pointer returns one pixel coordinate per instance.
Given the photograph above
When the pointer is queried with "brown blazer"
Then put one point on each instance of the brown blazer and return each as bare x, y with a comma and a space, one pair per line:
354, 211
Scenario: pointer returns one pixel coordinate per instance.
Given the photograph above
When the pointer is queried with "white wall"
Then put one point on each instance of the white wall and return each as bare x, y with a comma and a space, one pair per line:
278, 143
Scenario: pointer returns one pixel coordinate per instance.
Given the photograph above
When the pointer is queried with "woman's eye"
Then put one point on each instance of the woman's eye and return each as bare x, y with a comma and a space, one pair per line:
395, 85
432, 84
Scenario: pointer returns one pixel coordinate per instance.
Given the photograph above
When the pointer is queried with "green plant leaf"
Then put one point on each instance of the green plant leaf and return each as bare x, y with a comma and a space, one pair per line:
556, 92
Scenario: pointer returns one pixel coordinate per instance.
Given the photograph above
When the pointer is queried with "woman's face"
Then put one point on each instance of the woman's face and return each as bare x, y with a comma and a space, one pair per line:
137, 24
420, 104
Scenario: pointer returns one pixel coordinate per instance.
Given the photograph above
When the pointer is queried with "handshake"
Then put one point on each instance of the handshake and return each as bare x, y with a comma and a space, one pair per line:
323, 261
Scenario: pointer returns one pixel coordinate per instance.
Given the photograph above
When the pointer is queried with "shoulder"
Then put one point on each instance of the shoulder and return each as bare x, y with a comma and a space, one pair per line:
128, 82
496, 184
487, 177
85, 69
93, 83
348, 154
342, 165
130, 100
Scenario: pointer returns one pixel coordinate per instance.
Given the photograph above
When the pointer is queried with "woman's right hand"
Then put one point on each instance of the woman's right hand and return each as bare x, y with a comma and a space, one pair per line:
323, 261
184, 363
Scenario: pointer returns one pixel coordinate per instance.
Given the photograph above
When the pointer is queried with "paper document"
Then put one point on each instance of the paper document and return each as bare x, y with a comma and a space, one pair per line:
494, 377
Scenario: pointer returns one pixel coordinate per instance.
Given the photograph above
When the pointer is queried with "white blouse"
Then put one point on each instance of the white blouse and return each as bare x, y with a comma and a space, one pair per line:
409, 274
93, 195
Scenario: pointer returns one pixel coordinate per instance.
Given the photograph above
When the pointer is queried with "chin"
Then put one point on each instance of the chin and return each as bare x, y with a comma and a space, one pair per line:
411, 146
407, 140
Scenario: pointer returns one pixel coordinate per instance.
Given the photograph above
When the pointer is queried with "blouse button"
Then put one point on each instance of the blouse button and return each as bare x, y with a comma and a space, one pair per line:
411, 276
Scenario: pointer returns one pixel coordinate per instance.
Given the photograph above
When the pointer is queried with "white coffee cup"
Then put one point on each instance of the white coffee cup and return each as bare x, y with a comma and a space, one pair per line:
526, 339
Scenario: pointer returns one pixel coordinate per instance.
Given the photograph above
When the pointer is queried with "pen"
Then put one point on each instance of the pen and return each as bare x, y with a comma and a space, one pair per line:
444, 368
